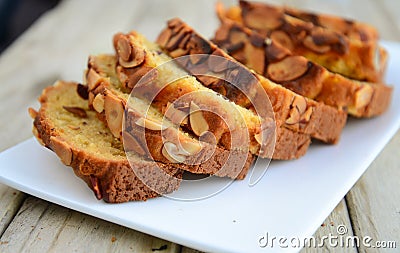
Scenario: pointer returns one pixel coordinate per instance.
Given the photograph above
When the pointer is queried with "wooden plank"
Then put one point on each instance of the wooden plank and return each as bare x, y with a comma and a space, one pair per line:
43, 227
189, 250
10, 202
338, 217
374, 201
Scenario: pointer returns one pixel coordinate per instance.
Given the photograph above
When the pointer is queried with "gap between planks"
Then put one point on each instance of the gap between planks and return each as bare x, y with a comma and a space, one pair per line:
41, 226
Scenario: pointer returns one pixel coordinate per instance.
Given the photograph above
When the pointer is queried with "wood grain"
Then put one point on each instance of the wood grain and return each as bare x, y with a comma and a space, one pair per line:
339, 216
43, 227
374, 202
10, 202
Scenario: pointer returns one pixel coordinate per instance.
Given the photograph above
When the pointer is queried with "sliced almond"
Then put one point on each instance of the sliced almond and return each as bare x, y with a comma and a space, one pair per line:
276, 52
178, 52
309, 43
198, 45
198, 123
180, 37
237, 36
189, 147
255, 57
297, 24
294, 117
124, 49
363, 96
98, 103
299, 106
288, 69
197, 58
262, 18
266, 135
150, 124
256, 39
282, 38
62, 149
114, 111
144, 74
164, 37
322, 36
377, 58
122, 75
217, 62
307, 115
170, 151
177, 116
90, 99
222, 33
300, 103
234, 48
93, 79
173, 23
132, 144
32, 112
258, 138
185, 40
137, 55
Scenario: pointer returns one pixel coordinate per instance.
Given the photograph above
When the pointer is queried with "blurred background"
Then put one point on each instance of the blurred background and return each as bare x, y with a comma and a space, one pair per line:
17, 15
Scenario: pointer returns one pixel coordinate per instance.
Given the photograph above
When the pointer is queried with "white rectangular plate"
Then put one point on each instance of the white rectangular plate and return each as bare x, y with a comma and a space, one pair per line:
292, 199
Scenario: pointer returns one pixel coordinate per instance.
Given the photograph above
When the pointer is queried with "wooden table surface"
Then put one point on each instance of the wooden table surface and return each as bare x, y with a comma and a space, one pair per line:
57, 46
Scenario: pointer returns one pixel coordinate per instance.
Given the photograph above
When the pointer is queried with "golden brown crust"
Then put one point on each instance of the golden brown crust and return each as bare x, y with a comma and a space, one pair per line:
301, 75
292, 111
353, 29
208, 160
111, 180
350, 57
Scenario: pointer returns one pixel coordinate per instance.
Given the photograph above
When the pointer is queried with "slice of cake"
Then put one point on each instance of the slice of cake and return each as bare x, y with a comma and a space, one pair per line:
361, 60
65, 125
149, 133
227, 124
291, 110
270, 59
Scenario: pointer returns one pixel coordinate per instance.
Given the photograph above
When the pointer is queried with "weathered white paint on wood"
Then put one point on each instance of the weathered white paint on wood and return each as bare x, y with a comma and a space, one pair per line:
374, 202
10, 201
189, 250
40, 226
338, 217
